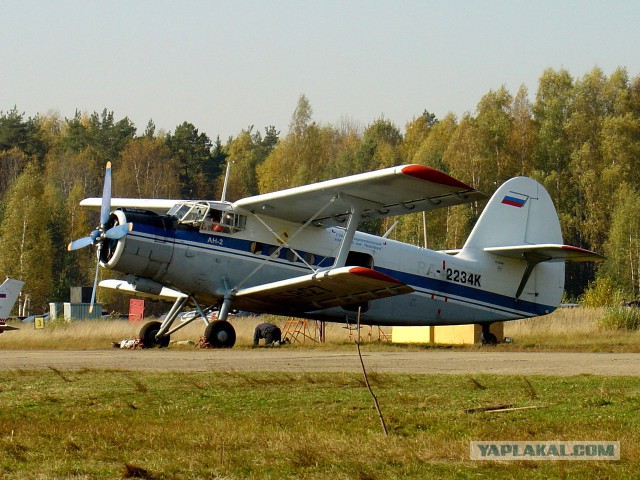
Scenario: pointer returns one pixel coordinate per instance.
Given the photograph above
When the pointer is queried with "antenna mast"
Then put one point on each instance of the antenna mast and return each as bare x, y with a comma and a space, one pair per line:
226, 182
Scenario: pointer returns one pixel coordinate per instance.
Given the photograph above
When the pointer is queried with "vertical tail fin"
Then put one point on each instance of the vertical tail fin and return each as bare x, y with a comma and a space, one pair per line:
520, 212
518, 238
9, 292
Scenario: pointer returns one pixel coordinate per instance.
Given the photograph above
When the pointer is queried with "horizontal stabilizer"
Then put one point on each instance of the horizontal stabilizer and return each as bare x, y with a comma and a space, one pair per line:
4, 327
535, 254
547, 253
165, 293
330, 288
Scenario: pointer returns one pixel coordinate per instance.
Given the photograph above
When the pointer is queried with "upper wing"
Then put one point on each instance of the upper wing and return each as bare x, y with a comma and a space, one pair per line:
547, 253
157, 205
387, 192
329, 288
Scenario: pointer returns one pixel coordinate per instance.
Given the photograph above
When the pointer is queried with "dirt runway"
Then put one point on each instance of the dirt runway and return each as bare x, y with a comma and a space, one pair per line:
281, 359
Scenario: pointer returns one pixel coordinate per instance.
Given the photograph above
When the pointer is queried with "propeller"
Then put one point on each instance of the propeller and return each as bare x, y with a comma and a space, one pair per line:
100, 233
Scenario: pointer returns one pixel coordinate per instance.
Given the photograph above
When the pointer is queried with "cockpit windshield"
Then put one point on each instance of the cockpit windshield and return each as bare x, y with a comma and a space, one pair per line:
190, 213
208, 217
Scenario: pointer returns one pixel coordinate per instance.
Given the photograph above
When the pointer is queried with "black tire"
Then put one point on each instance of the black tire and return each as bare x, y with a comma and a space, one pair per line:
148, 335
220, 334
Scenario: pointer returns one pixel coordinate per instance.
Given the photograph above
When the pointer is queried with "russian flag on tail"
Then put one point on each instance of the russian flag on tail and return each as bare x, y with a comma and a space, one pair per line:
514, 199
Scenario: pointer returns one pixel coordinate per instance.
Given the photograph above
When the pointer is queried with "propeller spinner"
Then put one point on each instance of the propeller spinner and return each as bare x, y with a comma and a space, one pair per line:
101, 232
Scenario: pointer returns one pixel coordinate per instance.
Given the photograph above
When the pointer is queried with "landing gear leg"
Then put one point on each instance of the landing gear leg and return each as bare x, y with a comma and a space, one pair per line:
486, 337
225, 309
155, 334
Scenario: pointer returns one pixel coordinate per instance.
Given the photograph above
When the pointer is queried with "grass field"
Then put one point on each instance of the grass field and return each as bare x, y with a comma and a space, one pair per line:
119, 424
112, 424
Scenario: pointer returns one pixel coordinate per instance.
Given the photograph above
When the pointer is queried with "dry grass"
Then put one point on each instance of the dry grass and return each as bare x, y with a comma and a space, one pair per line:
99, 334
570, 321
574, 329
571, 329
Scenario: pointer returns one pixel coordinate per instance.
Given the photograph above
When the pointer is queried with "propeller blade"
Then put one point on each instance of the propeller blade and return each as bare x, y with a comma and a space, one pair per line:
95, 282
105, 209
118, 231
80, 243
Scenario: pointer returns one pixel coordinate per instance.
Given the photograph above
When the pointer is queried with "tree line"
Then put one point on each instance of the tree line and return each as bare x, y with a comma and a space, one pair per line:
579, 137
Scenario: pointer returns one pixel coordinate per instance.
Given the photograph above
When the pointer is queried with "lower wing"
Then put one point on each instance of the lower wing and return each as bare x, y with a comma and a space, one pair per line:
330, 288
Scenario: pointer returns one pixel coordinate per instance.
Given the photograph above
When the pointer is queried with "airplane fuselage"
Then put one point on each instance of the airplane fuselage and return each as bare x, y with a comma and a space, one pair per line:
448, 289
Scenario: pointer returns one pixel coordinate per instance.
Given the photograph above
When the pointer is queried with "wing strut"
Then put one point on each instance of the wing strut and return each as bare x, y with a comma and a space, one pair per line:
171, 316
356, 206
283, 243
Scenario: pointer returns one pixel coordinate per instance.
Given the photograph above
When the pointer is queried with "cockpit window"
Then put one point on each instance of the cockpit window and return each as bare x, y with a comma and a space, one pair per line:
190, 213
179, 210
224, 221
208, 217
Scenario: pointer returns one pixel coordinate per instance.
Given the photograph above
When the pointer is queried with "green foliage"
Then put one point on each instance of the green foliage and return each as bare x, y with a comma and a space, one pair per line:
623, 245
12, 163
601, 293
16, 132
198, 167
246, 153
146, 169
27, 253
302, 156
579, 137
621, 318
98, 132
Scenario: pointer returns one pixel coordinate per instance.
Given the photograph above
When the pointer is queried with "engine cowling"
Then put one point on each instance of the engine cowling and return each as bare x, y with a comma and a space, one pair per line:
147, 250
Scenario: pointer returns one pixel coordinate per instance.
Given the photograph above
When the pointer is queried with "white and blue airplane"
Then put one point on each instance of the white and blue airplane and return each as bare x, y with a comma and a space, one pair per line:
9, 293
297, 252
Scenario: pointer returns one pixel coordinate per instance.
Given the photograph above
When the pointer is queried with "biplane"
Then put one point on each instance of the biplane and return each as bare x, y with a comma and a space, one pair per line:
298, 252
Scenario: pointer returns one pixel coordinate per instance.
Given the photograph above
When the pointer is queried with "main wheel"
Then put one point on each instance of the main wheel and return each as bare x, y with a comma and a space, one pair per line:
220, 334
148, 335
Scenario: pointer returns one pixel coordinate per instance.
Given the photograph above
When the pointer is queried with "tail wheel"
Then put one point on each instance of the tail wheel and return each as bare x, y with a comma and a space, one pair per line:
148, 335
220, 334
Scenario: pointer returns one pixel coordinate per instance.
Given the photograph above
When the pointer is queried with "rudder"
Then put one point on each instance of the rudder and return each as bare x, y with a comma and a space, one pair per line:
520, 212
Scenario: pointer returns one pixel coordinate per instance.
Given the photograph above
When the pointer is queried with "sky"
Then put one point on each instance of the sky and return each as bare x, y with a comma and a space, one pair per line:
227, 65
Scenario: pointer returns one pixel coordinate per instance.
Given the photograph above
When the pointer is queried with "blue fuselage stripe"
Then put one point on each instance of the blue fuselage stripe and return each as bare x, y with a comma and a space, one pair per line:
241, 248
